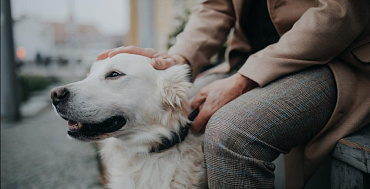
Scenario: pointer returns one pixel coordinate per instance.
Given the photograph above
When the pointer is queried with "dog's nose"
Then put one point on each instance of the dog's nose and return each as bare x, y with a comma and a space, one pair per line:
59, 94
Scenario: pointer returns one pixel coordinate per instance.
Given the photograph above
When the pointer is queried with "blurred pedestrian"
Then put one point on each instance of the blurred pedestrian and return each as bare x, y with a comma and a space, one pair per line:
38, 58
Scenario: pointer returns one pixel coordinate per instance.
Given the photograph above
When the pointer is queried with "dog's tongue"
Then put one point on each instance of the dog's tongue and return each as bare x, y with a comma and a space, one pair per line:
73, 125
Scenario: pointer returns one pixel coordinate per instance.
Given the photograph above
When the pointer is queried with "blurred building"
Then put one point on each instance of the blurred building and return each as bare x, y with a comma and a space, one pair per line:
32, 36
69, 41
151, 22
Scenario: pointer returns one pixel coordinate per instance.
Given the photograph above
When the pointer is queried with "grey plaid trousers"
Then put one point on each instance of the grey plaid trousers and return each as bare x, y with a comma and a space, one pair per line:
247, 134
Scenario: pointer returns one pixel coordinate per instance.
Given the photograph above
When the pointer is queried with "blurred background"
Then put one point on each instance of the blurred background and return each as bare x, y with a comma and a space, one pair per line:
47, 43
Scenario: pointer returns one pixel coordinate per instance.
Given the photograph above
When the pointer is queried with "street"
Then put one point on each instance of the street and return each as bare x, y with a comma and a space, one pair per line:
36, 153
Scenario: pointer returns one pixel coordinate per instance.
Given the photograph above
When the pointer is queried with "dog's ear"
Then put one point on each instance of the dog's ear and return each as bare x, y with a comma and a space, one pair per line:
176, 86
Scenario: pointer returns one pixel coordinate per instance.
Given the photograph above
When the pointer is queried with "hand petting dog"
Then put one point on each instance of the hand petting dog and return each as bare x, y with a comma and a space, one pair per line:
211, 98
159, 60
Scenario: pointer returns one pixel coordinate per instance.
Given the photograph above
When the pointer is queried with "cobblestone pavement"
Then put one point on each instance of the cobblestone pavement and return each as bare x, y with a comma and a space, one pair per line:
36, 153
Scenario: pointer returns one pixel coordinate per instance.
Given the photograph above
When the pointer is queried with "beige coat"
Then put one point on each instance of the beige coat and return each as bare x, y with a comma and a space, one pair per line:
334, 32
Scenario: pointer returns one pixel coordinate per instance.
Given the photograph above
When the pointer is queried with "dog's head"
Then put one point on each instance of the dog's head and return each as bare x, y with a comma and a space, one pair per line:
126, 98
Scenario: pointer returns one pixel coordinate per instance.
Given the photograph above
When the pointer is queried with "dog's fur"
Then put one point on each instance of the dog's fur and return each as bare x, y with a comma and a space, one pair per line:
154, 103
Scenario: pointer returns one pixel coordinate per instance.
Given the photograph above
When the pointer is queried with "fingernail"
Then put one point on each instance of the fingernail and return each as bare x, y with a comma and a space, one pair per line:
158, 64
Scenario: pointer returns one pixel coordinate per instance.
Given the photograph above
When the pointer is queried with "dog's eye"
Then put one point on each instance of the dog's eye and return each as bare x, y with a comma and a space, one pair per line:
113, 74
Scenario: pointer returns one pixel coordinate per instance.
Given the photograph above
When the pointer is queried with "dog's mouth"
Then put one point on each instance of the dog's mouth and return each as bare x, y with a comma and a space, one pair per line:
94, 131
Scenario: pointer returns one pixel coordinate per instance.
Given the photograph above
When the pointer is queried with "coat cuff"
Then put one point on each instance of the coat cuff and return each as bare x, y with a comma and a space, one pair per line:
261, 70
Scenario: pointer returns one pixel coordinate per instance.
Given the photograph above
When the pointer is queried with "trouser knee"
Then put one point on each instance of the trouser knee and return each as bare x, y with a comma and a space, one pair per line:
227, 129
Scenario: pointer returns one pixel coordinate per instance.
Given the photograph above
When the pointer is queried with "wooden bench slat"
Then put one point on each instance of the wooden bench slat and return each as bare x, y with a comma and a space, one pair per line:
355, 150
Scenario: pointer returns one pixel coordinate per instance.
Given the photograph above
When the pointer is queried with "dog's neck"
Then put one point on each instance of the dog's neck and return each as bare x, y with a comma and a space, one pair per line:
176, 137
169, 142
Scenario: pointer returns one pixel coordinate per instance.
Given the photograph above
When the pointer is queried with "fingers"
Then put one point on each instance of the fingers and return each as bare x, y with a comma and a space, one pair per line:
200, 122
104, 55
198, 99
159, 60
162, 63
148, 52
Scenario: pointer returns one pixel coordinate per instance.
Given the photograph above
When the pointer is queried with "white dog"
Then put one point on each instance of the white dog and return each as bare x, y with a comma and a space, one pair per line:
138, 115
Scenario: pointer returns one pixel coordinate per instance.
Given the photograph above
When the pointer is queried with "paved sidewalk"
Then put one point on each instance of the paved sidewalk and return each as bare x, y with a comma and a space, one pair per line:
36, 153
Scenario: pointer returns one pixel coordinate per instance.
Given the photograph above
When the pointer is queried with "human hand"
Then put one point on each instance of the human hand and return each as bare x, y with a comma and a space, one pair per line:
159, 60
216, 95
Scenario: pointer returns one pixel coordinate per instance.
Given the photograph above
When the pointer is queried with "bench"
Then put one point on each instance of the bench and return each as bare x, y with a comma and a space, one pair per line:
350, 167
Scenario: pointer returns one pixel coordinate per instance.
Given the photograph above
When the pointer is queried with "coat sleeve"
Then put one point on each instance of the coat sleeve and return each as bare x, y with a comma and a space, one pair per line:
319, 36
205, 33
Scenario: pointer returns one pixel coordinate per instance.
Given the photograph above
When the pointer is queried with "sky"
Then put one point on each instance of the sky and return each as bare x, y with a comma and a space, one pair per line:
111, 17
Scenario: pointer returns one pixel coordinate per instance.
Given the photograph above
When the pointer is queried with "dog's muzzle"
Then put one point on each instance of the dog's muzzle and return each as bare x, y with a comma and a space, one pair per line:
83, 130
94, 131
59, 94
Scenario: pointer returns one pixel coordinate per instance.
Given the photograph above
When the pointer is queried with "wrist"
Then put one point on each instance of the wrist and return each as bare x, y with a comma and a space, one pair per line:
245, 83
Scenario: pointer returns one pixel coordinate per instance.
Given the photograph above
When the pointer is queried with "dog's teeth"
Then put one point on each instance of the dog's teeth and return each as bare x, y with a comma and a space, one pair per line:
79, 125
